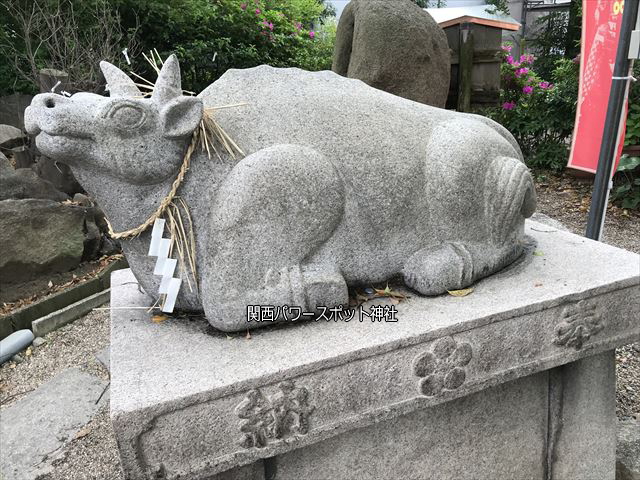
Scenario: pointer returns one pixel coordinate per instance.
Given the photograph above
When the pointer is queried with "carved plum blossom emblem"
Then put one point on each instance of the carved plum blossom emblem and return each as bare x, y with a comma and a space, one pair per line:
580, 322
282, 414
443, 367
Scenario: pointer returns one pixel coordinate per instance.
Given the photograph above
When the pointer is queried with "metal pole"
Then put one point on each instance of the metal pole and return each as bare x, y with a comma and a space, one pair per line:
608, 147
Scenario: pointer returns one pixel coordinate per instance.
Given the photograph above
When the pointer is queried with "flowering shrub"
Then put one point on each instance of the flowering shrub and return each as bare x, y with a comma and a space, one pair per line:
539, 113
212, 36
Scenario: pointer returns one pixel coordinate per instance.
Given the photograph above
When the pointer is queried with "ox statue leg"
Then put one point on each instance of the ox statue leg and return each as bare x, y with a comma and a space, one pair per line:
509, 198
276, 208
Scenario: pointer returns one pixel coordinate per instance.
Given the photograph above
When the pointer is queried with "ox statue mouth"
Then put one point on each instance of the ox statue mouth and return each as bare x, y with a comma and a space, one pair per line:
56, 144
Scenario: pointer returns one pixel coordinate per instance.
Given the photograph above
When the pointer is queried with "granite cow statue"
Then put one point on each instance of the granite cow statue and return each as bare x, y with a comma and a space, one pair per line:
340, 184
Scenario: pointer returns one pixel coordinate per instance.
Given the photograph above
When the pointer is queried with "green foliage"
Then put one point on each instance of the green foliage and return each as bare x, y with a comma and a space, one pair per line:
211, 36
632, 135
498, 6
550, 41
628, 193
431, 3
540, 114
317, 55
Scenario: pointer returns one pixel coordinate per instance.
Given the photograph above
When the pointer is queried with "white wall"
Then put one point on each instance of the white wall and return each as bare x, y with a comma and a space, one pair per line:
340, 4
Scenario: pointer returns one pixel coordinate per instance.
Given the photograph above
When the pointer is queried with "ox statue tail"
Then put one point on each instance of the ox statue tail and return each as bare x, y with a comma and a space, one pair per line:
509, 196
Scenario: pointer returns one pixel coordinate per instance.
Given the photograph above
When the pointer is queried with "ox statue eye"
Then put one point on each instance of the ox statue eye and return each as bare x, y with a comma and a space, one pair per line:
126, 115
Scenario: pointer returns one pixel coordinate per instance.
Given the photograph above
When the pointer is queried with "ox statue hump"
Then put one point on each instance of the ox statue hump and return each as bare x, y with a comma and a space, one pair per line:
340, 184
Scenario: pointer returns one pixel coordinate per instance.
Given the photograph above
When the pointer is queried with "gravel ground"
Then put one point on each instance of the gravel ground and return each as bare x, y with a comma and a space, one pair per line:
72, 345
94, 456
567, 200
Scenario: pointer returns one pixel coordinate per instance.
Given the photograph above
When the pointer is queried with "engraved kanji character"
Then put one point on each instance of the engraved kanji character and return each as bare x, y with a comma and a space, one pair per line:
302, 409
256, 412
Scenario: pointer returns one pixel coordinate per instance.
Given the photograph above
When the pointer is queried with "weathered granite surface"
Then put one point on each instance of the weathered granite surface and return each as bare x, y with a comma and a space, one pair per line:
191, 402
341, 184
498, 433
394, 46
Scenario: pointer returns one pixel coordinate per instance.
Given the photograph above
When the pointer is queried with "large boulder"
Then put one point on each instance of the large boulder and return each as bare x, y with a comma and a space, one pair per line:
59, 174
11, 137
39, 237
24, 183
12, 109
394, 46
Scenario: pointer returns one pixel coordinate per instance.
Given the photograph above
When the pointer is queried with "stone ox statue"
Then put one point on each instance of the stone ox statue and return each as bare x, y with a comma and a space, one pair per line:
341, 184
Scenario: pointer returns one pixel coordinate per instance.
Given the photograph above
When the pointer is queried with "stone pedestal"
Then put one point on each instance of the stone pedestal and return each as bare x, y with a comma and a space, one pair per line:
515, 380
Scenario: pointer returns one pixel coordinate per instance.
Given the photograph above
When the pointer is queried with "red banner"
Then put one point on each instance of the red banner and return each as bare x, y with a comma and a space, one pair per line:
601, 21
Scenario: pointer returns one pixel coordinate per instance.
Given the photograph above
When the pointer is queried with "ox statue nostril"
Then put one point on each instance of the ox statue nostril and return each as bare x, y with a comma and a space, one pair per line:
49, 103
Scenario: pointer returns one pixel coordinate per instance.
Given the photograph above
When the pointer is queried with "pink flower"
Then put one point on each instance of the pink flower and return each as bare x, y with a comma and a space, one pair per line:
510, 59
527, 89
243, 6
545, 85
527, 58
506, 48
258, 11
298, 26
312, 34
508, 105
522, 71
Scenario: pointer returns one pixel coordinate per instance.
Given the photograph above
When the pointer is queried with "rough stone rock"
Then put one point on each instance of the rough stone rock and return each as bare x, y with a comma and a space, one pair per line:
17, 358
92, 236
38, 342
59, 174
38, 237
109, 246
24, 183
394, 46
22, 157
83, 200
11, 137
628, 450
12, 109
339, 184
35, 427
98, 215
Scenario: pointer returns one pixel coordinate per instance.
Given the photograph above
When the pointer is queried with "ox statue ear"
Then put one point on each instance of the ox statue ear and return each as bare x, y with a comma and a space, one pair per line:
181, 116
118, 82
168, 85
